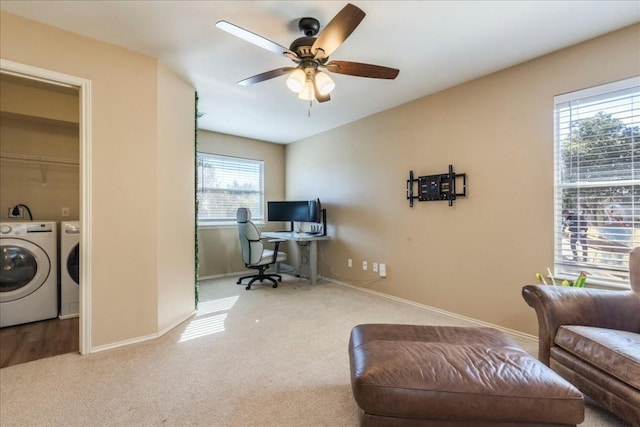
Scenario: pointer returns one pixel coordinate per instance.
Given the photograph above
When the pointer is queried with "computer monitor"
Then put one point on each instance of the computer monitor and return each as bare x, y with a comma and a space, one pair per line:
298, 211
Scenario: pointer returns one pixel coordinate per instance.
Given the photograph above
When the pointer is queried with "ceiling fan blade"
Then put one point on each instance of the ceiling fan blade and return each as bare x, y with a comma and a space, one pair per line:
337, 31
266, 76
255, 39
362, 70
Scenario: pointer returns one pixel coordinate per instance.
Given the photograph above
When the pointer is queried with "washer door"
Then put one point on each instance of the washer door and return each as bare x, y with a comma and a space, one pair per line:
24, 267
73, 264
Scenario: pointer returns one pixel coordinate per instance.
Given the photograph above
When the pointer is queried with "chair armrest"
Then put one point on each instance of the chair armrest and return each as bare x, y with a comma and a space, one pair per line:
276, 247
559, 305
276, 240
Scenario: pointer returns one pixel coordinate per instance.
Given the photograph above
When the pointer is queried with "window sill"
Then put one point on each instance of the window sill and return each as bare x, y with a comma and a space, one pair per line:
594, 284
608, 286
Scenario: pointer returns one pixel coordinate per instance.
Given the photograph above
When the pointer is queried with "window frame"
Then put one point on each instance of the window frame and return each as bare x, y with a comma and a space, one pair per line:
257, 217
607, 92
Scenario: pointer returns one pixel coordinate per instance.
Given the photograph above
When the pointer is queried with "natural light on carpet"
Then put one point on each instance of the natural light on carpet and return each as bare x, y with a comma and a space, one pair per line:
222, 304
210, 324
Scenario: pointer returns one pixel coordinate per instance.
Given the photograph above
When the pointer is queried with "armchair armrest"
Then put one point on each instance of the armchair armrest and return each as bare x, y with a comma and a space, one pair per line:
557, 305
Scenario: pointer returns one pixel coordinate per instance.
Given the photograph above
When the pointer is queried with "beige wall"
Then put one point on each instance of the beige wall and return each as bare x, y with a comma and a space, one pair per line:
39, 120
127, 154
472, 258
35, 99
49, 130
219, 247
175, 206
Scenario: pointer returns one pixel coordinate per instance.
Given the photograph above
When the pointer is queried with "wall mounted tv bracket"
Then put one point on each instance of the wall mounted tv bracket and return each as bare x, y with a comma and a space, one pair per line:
436, 187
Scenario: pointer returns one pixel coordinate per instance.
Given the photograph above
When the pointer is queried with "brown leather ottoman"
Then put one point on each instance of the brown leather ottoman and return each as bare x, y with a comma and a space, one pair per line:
410, 375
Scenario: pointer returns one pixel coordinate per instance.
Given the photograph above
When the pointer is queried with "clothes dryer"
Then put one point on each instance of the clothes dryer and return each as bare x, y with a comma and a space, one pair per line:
28, 272
69, 269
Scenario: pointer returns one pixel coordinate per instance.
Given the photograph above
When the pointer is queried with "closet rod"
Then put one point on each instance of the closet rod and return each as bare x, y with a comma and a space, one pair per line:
41, 160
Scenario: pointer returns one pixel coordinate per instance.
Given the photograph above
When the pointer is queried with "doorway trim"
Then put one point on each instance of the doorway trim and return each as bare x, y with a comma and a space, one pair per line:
84, 86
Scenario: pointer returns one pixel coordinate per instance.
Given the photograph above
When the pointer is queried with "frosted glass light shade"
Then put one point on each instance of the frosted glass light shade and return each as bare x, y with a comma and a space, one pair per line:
324, 83
296, 80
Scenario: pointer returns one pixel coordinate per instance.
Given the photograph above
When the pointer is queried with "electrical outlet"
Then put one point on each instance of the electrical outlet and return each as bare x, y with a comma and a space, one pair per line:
18, 214
382, 268
349, 263
65, 212
364, 265
374, 267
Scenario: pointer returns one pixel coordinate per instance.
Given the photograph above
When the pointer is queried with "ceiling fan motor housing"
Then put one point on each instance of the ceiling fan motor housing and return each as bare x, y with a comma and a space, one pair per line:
302, 46
309, 26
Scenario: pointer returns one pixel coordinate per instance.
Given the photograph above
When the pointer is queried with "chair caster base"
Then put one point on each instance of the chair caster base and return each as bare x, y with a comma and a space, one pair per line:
260, 277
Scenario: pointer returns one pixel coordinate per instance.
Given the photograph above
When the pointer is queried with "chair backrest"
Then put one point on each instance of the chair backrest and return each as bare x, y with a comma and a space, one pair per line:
634, 269
250, 243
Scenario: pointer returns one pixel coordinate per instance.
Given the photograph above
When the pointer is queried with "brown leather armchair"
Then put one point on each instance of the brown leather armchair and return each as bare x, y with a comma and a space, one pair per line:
592, 338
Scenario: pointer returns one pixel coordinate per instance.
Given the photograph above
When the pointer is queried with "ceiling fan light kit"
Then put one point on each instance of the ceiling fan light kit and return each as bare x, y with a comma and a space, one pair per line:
302, 82
311, 53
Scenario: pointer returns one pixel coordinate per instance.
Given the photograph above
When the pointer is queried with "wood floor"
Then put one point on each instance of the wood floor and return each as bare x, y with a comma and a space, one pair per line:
37, 340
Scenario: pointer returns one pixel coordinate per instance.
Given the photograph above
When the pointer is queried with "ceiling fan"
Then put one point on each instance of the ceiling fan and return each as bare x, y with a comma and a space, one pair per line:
311, 54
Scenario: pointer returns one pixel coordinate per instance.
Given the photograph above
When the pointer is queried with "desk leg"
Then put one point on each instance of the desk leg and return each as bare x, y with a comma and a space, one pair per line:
313, 261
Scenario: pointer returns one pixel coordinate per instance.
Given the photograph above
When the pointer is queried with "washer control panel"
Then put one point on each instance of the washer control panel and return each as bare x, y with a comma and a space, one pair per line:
46, 228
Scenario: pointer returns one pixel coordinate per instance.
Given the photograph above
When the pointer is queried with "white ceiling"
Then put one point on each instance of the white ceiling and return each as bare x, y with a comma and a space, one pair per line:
435, 44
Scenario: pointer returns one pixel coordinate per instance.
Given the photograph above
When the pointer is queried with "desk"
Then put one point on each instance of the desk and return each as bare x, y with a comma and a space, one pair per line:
302, 237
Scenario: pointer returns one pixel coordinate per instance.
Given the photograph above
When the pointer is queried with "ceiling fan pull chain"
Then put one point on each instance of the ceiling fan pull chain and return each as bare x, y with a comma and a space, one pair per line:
309, 109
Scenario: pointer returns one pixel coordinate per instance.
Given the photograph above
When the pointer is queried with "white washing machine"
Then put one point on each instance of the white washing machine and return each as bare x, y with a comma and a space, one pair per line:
69, 269
28, 272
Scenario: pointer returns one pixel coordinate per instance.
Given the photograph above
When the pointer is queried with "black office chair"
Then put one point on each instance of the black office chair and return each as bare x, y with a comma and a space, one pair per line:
254, 254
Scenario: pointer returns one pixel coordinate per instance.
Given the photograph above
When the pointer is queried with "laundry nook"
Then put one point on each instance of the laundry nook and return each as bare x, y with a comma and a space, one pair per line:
39, 217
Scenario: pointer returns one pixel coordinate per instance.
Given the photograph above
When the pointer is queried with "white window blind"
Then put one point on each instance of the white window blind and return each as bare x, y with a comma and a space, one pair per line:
597, 143
227, 183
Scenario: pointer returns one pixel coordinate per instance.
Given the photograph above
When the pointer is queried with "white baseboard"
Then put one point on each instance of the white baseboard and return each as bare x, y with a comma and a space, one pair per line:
437, 310
123, 343
219, 276
142, 338
176, 323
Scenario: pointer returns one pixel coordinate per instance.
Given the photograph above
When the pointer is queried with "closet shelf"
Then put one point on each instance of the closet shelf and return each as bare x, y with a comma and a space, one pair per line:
41, 160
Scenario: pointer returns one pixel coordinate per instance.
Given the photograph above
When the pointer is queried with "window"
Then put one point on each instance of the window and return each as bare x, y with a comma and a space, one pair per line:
597, 147
226, 183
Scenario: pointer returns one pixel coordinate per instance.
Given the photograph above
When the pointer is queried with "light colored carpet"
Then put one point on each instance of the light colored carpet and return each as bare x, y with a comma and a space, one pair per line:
265, 357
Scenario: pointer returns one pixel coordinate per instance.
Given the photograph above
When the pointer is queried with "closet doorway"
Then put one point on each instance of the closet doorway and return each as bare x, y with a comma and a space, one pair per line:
45, 149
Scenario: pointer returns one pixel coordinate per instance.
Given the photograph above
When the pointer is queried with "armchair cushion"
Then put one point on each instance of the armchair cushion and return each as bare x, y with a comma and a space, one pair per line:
614, 352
